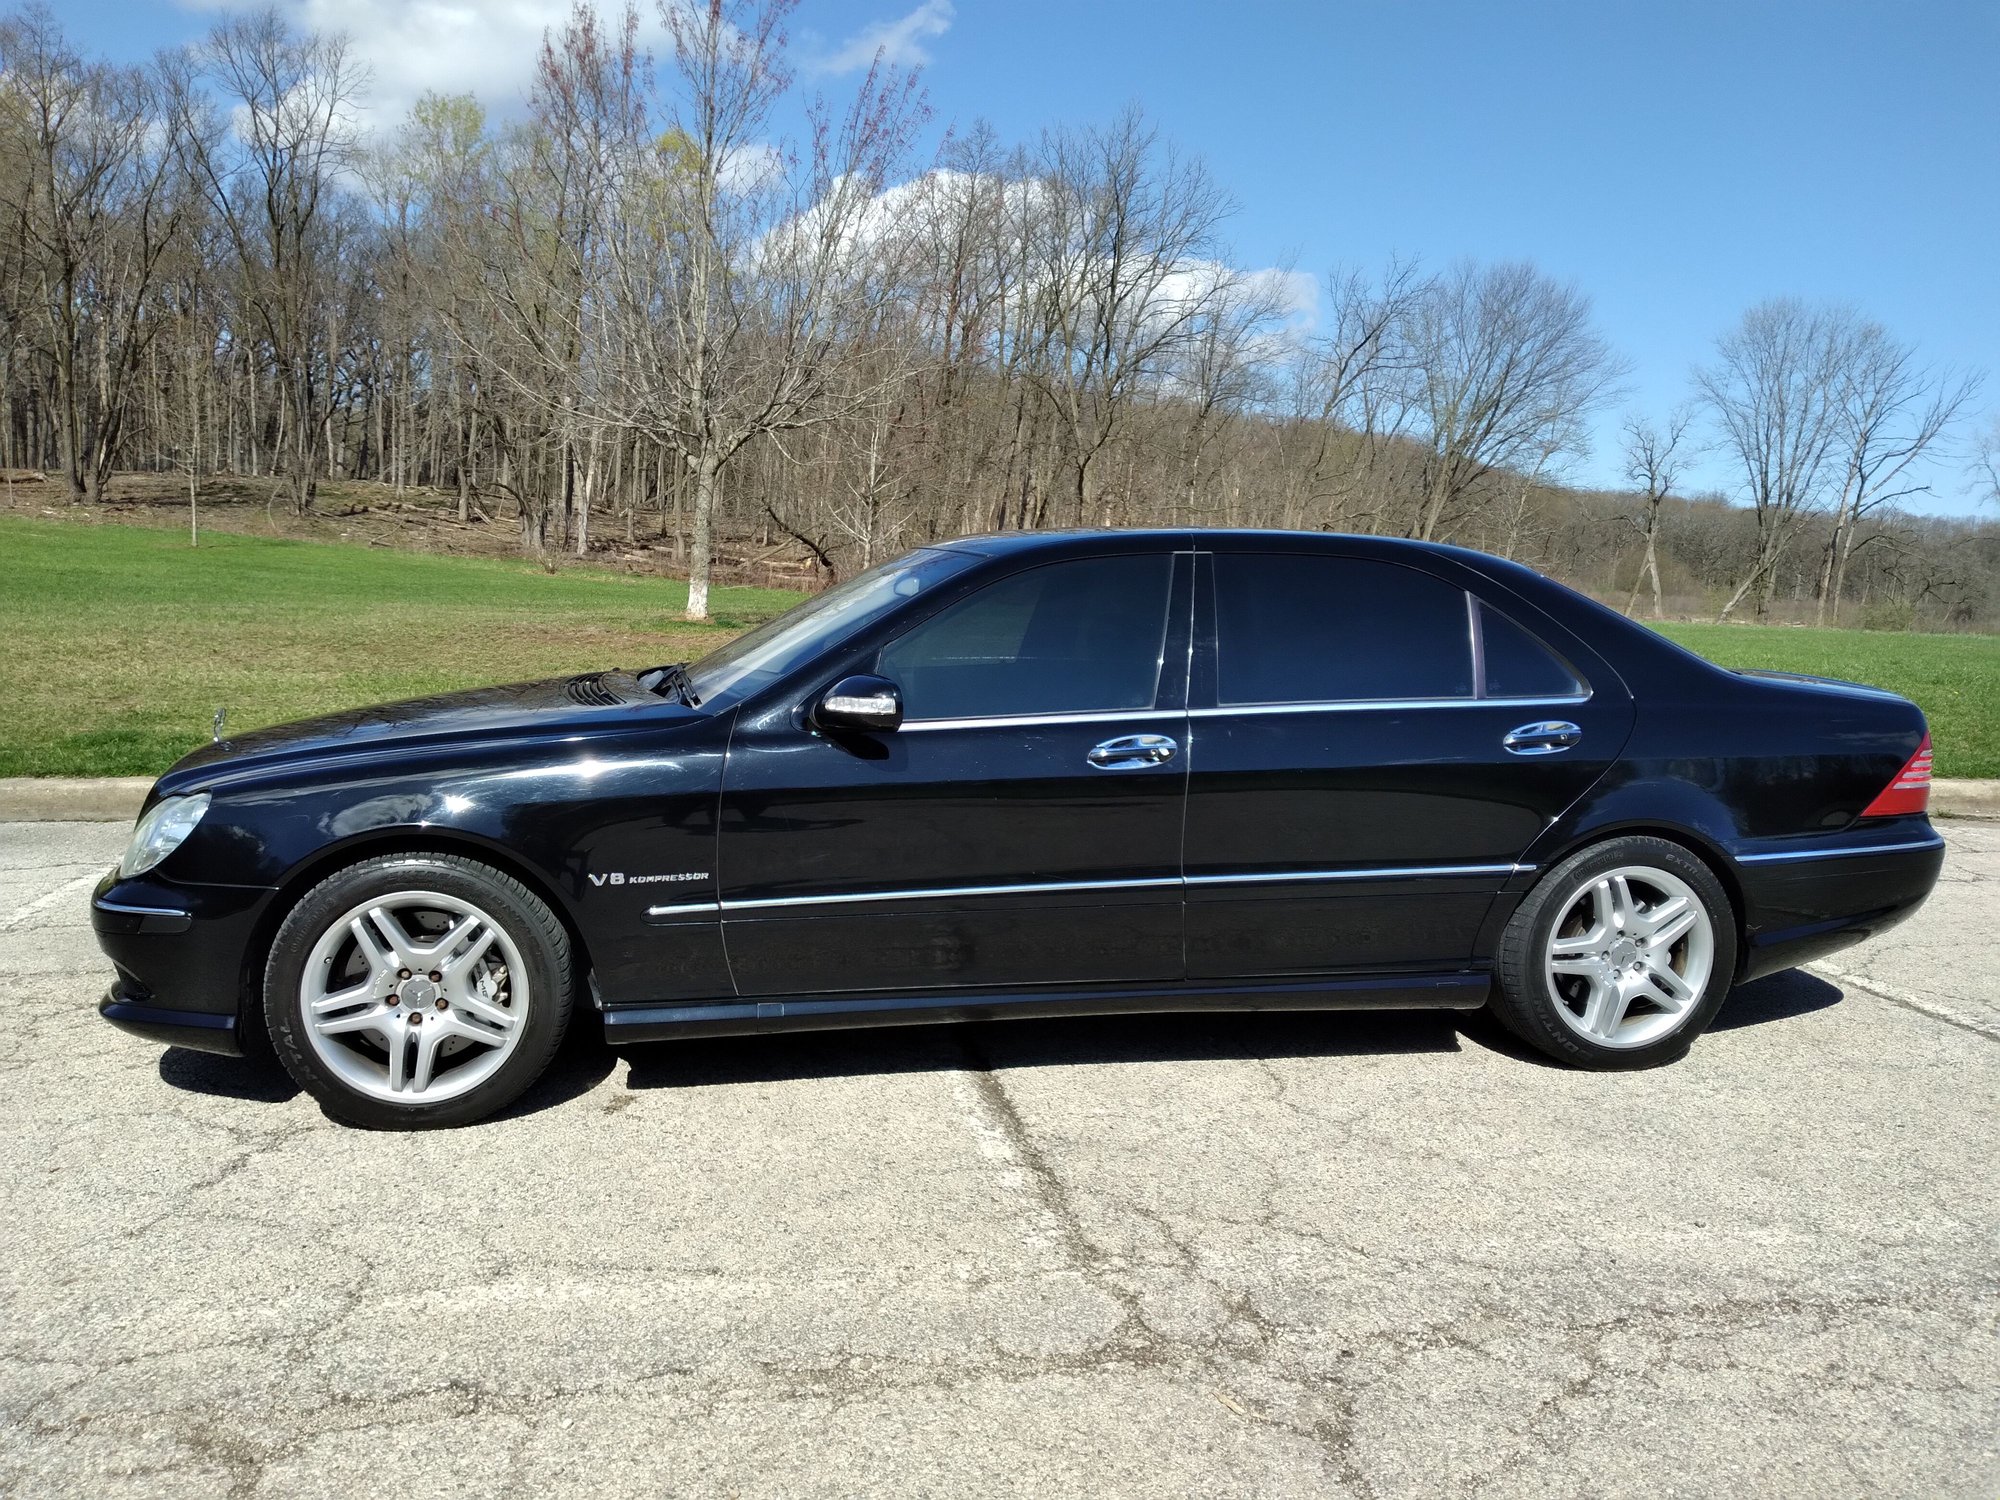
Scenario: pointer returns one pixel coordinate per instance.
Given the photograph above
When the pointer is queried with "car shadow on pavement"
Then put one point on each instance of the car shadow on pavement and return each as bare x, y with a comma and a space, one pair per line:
586, 1060
708, 1062
1778, 997
257, 1080
580, 1065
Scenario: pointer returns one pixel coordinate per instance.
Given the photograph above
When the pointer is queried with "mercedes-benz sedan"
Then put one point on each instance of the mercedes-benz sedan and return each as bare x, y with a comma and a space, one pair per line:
1032, 775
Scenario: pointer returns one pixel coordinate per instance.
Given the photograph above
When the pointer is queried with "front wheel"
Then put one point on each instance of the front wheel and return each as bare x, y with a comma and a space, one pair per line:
417, 990
1619, 957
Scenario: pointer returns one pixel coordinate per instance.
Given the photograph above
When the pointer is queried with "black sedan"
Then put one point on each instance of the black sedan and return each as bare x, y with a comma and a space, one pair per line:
1035, 775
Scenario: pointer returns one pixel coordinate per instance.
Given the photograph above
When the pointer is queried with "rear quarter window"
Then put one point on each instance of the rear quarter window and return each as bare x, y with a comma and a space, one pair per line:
1517, 664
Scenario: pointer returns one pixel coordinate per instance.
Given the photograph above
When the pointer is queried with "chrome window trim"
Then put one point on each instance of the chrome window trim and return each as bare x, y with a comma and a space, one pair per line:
1044, 888
1477, 634
1029, 721
1789, 856
1358, 705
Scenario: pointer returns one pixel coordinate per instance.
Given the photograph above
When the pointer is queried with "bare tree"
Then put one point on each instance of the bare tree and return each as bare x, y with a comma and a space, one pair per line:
1348, 387
1986, 463
745, 273
91, 199
1894, 413
1506, 368
271, 169
1124, 274
1775, 393
1655, 455
1224, 367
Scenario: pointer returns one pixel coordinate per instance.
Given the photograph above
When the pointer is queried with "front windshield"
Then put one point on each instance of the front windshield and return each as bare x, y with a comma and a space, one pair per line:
775, 647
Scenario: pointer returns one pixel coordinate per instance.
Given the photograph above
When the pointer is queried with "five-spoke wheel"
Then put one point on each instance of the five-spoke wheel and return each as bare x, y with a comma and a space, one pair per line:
414, 996
1619, 956
417, 990
1629, 955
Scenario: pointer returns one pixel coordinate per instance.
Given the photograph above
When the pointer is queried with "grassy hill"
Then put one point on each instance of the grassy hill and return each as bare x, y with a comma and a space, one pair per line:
118, 643
1955, 679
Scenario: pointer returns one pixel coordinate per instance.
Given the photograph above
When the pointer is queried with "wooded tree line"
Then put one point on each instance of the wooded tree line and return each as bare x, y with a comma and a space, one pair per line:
639, 306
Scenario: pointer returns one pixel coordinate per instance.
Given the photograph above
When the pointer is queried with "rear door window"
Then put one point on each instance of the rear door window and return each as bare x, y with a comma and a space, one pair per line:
1306, 629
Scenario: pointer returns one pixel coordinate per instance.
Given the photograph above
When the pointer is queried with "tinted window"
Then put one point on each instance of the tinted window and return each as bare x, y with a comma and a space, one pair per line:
1332, 629
777, 646
1518, 665
1070, 637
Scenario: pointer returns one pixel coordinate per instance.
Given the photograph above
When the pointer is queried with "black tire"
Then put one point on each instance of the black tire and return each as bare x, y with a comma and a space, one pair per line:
1524, 999
525, 919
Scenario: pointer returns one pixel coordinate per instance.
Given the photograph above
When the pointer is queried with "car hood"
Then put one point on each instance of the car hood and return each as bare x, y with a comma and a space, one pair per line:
595, 703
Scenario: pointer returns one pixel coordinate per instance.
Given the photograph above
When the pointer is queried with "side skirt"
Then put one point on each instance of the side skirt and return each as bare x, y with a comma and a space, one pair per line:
652, 1023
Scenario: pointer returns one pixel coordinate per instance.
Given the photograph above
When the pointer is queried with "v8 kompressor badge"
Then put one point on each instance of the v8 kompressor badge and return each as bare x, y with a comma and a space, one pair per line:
619, 877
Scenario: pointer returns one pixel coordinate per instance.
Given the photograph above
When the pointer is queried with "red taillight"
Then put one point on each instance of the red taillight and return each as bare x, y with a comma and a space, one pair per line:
1910, 792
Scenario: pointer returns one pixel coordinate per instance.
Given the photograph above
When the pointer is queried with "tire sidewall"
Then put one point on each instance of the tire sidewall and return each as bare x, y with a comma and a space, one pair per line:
1529, 1008
536, 934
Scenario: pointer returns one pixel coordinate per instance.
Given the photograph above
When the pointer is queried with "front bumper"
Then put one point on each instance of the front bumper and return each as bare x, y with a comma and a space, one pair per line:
176, 1028
182, 958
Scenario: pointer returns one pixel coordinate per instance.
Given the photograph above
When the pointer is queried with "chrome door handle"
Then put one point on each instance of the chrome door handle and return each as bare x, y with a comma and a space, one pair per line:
1545, 738
1130, 750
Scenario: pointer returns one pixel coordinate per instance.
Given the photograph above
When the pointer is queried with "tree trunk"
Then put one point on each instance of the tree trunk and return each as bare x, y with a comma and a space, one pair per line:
707, 473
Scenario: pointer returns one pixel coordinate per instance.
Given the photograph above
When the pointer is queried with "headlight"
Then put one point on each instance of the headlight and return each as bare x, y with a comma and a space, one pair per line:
160, 832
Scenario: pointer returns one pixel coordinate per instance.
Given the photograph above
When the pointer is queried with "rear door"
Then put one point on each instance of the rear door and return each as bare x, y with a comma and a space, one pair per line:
1022, 828
1373, 749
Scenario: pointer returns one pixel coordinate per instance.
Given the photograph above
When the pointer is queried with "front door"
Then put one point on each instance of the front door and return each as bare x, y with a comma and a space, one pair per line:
1373, 750
1021, 829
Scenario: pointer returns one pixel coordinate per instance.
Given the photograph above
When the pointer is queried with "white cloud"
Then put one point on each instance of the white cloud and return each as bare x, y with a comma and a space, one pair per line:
899, 42
483, 47
752, 168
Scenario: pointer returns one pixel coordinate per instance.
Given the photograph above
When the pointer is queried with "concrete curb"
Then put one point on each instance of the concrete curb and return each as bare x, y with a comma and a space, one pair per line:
1965, 799
116, 799
72, 799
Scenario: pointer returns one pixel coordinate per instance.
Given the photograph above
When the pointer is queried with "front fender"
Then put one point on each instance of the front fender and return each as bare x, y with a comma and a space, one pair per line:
600, 830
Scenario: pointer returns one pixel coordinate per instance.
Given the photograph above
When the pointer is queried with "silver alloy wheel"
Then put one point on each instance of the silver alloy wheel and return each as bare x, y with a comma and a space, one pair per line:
414, 997
1629, 956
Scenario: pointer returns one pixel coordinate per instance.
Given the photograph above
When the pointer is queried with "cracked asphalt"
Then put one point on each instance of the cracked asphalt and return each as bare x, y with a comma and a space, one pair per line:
1276, 1255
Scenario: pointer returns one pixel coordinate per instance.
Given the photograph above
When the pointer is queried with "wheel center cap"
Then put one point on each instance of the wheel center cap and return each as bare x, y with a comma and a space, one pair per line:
1624, 953
419, 991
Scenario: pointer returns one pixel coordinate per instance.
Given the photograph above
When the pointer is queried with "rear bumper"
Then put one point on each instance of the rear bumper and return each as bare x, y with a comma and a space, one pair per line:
1809, 900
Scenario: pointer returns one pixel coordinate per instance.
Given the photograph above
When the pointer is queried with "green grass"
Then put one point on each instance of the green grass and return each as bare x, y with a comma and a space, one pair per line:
118, 643
1954, 679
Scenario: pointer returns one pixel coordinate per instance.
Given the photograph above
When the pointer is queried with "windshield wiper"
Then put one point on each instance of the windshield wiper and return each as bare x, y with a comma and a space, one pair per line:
670, 681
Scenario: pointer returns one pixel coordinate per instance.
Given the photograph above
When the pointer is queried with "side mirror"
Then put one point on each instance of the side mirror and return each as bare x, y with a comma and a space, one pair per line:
873, 704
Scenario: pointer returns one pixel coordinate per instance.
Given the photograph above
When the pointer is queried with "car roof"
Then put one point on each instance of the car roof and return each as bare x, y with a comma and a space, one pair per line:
1622, 641
1206, 539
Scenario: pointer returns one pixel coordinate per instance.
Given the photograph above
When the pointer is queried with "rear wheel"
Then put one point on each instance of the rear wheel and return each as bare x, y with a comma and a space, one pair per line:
417, 990
1619, 957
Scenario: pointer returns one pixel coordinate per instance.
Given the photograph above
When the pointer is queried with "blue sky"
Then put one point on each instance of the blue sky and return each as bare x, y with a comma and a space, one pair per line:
1678, 161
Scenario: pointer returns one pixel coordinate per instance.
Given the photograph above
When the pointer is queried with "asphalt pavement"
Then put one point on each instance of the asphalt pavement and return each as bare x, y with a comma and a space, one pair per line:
1279, 1255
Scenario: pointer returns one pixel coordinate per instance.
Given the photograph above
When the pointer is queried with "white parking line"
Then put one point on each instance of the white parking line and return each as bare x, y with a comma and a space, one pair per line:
41, 904
1908, 1001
